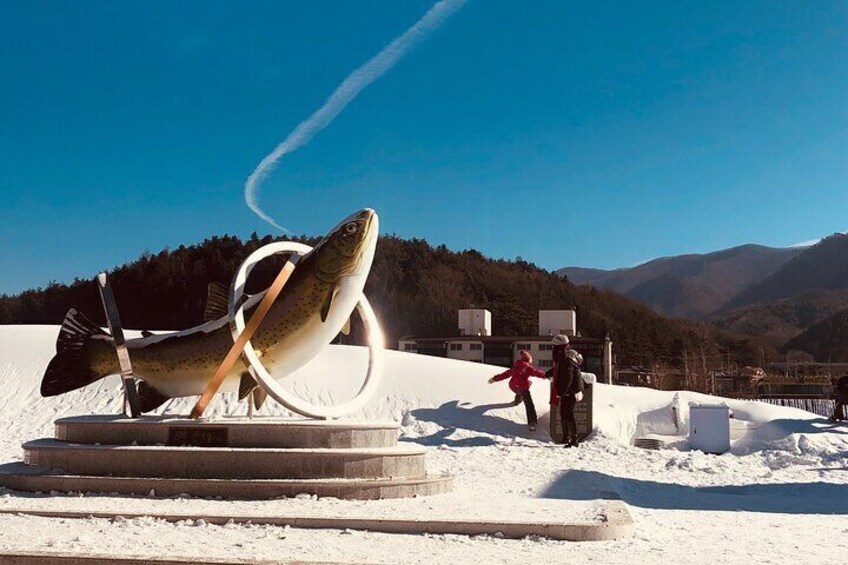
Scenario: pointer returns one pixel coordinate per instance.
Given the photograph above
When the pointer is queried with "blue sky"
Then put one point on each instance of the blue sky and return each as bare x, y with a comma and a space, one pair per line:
593, 133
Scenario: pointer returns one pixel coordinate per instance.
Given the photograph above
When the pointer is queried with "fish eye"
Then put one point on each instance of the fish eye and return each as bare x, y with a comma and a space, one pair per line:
350, 228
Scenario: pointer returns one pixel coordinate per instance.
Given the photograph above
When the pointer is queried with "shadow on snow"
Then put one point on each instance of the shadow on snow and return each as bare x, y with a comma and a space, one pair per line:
453, 416
783, 498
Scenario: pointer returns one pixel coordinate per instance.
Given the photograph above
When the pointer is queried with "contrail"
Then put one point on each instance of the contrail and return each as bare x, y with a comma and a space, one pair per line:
344, 93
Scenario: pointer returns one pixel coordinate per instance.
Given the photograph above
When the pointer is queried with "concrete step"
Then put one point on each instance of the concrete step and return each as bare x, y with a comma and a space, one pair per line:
29, 478
60, 558
612, 521
226, 462
226, 432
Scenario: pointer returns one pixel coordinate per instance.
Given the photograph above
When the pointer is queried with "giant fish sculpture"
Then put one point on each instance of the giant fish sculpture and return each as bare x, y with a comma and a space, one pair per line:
314, 307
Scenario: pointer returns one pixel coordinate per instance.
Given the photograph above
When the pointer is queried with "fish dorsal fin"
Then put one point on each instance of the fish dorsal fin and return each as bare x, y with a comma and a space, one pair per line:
325, 308
346, 327
246, 385
217, 302
259, 397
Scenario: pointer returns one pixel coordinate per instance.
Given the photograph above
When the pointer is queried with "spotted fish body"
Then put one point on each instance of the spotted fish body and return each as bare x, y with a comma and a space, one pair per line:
315, 304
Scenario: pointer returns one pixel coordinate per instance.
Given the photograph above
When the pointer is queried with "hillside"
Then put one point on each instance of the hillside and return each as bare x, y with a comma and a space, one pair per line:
823, 266
415, 288
780, 321
693, 285
826, 340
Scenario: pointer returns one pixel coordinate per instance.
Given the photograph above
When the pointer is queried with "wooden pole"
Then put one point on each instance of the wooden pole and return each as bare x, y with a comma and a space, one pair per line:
244, 337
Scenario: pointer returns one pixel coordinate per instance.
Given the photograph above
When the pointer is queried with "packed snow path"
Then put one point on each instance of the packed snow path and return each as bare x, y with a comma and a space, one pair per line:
780, 496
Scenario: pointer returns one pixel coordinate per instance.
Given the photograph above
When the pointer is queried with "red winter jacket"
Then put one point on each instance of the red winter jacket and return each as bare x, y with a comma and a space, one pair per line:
519, 375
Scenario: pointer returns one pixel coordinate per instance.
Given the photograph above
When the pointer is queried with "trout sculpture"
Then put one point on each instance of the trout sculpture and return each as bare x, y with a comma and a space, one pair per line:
314, 308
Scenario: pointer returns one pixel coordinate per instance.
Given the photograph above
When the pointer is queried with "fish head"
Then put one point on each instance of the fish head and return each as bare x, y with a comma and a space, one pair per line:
348, 249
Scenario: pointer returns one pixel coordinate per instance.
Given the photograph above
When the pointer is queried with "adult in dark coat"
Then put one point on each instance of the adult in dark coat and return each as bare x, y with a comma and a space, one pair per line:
568, 384
840, 393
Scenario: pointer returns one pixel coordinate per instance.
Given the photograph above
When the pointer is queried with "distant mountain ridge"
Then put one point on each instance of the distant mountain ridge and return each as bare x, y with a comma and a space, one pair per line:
690, 286
786, 298
822, 267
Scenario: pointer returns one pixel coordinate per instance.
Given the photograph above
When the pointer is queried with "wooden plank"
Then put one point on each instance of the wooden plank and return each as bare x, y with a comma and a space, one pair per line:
244, 337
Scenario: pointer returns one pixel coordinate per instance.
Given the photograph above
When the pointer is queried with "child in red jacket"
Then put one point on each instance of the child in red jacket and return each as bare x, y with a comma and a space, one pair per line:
519, 382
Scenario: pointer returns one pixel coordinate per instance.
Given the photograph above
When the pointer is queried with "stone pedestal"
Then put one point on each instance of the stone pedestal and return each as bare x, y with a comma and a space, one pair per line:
583, 416
230, 458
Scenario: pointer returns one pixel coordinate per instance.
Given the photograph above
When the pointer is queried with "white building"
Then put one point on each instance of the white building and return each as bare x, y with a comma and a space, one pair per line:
474, 322
475, 343
553, 322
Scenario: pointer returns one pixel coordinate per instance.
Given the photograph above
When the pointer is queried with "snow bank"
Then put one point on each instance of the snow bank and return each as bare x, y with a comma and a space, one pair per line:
788, 475
437, 401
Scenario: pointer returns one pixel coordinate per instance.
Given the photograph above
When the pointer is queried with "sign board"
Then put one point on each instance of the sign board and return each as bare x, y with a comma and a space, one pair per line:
197, 436
582, 415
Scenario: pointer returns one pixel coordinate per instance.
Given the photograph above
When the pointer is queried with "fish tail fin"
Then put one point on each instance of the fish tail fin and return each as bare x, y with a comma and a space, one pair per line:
71, 369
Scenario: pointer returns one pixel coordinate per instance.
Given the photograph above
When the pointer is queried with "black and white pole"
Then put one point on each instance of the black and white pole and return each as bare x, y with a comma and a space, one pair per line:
114, 321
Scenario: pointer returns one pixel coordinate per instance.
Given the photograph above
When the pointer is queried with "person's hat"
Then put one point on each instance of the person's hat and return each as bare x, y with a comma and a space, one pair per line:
524, 354
560, 339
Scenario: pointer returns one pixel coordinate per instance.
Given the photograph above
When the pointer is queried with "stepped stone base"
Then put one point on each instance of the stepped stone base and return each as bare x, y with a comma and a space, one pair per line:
225, 462
228, 458
28, 478
226, 432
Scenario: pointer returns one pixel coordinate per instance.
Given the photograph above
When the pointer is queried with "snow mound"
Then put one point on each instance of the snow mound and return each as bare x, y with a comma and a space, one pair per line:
438, 402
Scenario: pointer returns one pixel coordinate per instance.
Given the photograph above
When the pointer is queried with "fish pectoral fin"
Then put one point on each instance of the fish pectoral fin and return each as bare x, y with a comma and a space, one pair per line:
150, 398
217, 302
259, 397
325, 308
246, 385
346, 327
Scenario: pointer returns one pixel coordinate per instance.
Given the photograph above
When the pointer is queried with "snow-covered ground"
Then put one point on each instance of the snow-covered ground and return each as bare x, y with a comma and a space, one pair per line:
780, 496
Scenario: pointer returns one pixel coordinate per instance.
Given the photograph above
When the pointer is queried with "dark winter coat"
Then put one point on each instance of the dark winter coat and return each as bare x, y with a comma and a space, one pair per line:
519, 375
566, 374
840, 391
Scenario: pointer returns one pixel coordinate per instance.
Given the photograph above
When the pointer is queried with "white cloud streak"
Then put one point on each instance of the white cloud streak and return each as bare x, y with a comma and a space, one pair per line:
343, 95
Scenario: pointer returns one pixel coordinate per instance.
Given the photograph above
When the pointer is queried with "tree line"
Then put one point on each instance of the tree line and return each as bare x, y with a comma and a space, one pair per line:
415, 288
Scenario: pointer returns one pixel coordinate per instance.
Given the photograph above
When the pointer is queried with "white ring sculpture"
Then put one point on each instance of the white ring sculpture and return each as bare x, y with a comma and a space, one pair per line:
271, 386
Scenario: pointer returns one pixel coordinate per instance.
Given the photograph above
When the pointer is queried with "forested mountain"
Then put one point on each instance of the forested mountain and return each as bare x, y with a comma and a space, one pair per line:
691, 286
826, 340
822, 267
777, 322
415, 288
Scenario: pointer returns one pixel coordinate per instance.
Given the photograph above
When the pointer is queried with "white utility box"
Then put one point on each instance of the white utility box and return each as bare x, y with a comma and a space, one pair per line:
709, 427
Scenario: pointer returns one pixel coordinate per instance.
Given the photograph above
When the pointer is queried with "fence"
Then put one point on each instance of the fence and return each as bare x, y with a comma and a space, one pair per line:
821, 406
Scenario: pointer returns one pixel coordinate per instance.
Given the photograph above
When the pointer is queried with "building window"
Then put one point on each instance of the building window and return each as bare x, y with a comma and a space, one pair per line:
522, 346
475, 346
456, 347
545, 363
410, 346
546, 347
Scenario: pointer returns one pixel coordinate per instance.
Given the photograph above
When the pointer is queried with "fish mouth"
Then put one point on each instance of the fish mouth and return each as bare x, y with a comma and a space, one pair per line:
369, 240
353, 242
